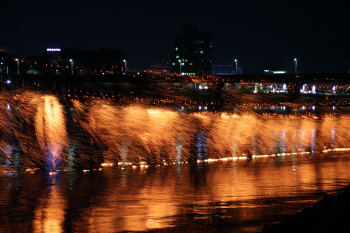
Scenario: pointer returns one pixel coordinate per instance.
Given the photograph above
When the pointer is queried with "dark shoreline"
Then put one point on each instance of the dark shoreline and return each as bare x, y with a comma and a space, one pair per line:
331, 214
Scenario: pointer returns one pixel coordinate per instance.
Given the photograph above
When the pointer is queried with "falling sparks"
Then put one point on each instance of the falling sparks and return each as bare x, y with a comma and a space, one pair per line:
38, 131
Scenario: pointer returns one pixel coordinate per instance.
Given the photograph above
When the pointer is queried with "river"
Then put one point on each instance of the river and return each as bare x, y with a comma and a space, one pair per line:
234, 195
102, 168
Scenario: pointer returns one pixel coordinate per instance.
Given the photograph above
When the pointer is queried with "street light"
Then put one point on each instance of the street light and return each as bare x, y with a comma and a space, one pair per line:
17, 65
124, 66
180, 66
236, 65
71, 65
296, 65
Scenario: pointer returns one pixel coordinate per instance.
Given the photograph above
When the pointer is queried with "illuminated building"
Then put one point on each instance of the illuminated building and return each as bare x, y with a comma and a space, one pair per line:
192, 52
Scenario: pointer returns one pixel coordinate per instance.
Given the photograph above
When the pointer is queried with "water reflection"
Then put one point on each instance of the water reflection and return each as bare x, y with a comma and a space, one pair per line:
49, 214
239, 193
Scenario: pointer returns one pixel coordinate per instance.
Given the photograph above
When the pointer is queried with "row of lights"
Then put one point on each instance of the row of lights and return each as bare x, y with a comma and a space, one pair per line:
236, 61
71, 61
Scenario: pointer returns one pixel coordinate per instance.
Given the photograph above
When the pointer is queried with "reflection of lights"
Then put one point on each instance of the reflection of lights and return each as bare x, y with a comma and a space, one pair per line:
50, 210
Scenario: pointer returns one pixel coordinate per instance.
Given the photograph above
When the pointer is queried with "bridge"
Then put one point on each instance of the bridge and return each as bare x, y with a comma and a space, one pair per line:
197, 89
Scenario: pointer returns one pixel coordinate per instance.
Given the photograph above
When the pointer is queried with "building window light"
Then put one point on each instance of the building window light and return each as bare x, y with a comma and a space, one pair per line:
173, 64
191, 64
202, 51
176, 48
177, 56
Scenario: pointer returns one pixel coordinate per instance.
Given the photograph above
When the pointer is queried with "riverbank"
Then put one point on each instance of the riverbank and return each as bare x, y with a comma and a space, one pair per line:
331, 214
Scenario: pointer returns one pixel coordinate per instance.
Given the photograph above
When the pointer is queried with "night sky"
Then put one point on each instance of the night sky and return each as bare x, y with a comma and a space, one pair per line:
260, 34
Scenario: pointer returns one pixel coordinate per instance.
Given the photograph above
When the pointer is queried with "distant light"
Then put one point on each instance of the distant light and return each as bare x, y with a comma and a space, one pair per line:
279, 72
8, 106
53, 49
303, 87
8, 81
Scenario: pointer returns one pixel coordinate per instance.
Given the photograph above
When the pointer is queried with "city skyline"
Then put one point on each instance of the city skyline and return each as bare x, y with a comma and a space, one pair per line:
260, 35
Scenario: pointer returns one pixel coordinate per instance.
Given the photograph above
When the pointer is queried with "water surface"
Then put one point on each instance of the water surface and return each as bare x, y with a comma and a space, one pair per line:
235, 195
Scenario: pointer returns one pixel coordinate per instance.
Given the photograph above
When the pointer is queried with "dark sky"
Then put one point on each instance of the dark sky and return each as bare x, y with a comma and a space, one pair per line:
260, 34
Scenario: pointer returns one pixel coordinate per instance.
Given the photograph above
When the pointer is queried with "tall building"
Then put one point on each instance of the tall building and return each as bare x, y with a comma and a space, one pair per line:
192, 52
